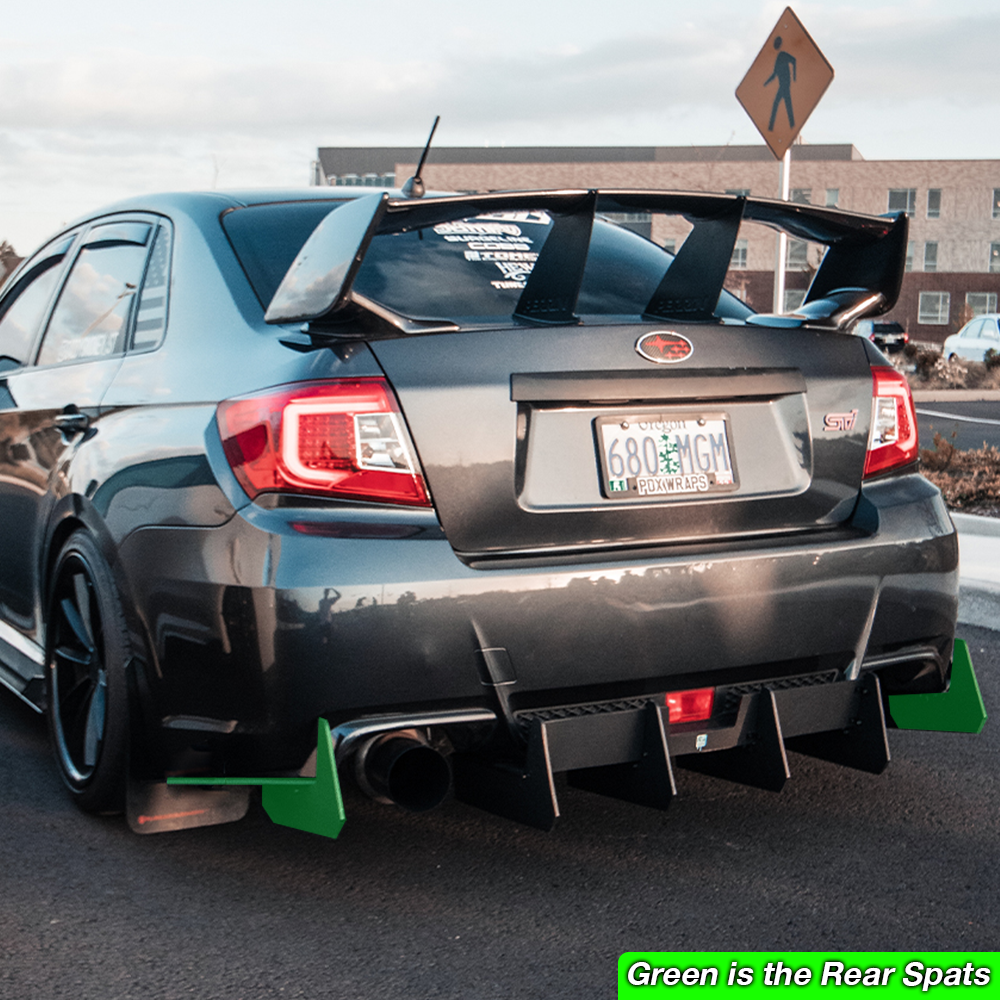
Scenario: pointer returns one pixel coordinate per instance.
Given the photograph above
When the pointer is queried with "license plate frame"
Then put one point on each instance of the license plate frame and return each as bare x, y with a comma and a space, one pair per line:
700, 443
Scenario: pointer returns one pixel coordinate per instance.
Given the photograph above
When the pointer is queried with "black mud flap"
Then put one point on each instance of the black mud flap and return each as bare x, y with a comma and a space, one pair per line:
156, 807
622, 754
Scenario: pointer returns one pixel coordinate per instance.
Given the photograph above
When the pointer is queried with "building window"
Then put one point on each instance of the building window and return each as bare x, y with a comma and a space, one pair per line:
362, 180
903, 200
622, 217
994, 258
832, 197
996, 203
930, 256
802, 196
909, 255
739, 258
797, 258
934, 203
979, 303
794, 297
637, 222
670, 246
739, 192
934, 308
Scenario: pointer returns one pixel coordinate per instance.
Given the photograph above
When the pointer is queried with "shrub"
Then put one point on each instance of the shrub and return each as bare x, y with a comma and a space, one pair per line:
925, 362
968, 479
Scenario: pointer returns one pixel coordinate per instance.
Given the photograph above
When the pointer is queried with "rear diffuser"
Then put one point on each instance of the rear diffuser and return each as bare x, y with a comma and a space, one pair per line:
621, 754
625, 755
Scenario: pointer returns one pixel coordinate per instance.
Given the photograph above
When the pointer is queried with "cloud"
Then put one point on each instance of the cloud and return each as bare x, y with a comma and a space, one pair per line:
169, 109
883, 55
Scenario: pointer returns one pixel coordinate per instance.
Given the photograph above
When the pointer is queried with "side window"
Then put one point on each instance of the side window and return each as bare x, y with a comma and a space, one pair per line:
24, 307
151, 314
91, 317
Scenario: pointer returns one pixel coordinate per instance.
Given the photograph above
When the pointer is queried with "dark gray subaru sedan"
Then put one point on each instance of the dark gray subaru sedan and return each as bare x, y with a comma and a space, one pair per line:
452, 494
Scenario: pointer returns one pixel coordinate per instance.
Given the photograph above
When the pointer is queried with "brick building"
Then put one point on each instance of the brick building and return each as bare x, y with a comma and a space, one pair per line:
954, 207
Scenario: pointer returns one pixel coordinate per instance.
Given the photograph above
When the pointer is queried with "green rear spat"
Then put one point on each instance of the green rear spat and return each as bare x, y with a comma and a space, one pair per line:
314, 805
960, 709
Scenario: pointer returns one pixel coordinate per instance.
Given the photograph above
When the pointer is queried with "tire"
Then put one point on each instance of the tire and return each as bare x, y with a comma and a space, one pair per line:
86, 651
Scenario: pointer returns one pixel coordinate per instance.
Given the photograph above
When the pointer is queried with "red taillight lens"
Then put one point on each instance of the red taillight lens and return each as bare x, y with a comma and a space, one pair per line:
892, 441
690, 706
343, 438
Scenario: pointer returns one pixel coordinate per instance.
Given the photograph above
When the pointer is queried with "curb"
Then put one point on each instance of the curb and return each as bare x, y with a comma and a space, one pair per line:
979, 573
976, 524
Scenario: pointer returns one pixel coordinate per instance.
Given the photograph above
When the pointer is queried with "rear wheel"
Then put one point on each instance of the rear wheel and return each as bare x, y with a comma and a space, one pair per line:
87, 649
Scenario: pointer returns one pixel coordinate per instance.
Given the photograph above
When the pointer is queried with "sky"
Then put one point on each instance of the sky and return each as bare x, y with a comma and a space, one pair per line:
104, 100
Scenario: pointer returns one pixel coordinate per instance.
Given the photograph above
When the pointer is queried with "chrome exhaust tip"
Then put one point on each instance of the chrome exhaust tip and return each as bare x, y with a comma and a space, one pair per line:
403, 769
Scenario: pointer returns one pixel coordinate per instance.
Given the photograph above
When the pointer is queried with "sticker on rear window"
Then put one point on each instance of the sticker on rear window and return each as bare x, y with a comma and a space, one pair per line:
499, 239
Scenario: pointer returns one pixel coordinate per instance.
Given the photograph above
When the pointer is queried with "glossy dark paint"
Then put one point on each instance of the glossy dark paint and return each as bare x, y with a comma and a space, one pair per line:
248, 625
505, 480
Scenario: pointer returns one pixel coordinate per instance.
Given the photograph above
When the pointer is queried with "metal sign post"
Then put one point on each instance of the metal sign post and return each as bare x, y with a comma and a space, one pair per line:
779, 262
779, 93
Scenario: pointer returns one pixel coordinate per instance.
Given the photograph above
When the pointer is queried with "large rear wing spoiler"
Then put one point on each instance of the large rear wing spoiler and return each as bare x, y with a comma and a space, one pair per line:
861, 272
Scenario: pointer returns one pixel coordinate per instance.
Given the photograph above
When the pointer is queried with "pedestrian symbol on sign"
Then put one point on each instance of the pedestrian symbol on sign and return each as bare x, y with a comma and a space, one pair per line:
784, 73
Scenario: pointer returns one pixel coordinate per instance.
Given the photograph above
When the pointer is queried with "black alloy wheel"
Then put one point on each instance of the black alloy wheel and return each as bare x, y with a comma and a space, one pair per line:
86, 652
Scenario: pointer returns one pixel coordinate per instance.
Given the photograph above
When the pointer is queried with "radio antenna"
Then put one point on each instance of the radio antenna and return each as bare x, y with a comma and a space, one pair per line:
414, 187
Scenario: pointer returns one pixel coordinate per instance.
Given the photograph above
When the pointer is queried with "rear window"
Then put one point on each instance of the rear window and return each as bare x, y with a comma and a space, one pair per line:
470, 270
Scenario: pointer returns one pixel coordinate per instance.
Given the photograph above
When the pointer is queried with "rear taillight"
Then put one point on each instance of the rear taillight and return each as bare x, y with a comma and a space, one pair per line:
892, 441
340, 438
690, 706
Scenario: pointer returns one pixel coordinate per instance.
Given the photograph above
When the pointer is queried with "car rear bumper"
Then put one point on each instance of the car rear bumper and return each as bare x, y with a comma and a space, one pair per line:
257, 627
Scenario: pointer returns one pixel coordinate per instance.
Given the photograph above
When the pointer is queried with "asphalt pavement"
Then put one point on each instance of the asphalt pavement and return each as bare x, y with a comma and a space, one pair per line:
968, 417
456, 904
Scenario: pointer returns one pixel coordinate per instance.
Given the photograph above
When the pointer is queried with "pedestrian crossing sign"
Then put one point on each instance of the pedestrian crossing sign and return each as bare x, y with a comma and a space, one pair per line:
784, 83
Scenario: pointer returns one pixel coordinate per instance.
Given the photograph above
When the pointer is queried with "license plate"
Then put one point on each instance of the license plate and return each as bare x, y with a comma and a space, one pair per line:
665, 455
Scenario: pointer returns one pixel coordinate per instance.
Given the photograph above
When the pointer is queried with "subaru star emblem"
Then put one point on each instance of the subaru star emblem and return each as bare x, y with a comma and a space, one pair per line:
664, 347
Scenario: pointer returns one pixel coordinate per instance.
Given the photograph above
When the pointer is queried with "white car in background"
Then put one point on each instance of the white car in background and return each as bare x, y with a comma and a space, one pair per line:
978, 336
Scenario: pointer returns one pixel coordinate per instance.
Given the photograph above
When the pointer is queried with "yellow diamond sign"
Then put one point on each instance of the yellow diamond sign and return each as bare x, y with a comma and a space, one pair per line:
785, 83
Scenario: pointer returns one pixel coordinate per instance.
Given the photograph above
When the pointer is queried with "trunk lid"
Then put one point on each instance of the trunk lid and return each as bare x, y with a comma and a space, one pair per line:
510, 427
